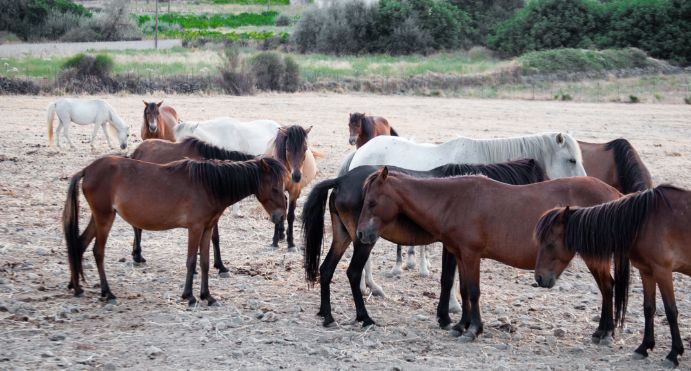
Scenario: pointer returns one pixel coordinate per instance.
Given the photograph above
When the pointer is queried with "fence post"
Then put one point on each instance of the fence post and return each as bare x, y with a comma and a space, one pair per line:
156, 28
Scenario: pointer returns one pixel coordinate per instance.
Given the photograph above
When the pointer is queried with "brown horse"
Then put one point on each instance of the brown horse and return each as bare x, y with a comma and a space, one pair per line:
159, 121
183, 194
651, 229
363, 128
616, 163
475, 217
159, 151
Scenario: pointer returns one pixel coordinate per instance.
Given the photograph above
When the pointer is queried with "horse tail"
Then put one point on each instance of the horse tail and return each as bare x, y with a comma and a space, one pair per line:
392, 132
50, 118
313, 227
632, 173
70, 222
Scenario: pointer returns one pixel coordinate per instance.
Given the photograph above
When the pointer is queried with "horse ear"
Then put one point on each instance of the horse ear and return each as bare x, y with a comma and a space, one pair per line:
145, 102
566, 213
560, 138
265, 164
159, 103
384, 173
309, 129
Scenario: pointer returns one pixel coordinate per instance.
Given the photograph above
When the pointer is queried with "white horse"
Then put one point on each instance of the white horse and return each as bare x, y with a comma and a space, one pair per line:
558, 154
252, 137
86, 112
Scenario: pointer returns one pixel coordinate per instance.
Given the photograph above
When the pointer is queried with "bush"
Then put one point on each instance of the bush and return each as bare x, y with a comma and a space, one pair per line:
283, 20
485, 15
236, 79
291, 79
86, 65
26, 18
580, 60
393, 26
205, 21
268, 69
634, 99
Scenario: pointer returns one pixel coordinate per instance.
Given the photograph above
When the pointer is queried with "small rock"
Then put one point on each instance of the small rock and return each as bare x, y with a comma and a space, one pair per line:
153, 352
269, 317
409, 357
237, 353
579, 307
220, 326
122, 260
559, 332
40, 251
109, 307
58, 336
47, 354
421, 317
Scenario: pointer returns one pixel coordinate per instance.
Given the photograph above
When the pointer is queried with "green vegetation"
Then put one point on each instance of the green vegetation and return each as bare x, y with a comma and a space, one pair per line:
26, 18
252, 2
223, 36
581, 60
204, 21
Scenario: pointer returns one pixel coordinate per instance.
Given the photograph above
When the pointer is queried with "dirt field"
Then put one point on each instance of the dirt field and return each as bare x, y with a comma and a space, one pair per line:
266, 319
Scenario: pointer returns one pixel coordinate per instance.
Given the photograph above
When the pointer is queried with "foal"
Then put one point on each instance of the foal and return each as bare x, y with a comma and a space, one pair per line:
159, 121
363, 128
184, 194
650, 228
476, 218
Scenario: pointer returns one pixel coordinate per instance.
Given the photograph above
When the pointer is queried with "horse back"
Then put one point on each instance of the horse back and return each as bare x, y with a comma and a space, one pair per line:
160, 151
599, 163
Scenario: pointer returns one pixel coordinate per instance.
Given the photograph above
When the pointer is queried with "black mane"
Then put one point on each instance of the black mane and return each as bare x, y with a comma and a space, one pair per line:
515, 172
632, 173
211, 152
289, 138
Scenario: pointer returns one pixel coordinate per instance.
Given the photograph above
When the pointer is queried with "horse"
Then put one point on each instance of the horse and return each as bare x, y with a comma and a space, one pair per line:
346, 203
476, 217
161, 151
616, 163
558, 154
159, 121
649, 229
287, 144
86, 112
363, 128
183, 194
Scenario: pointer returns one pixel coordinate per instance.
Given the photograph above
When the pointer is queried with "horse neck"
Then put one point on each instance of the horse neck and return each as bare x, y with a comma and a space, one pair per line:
366, 129
507, 149
116, 120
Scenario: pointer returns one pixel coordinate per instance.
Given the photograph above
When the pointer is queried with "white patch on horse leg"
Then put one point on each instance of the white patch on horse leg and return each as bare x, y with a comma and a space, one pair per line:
454, 305
424, 262
410, 261
396, 270
374, 287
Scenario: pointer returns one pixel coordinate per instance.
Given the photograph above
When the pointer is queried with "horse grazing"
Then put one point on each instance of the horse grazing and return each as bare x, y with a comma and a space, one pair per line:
616, 163
159, 121
95, 112
363, 128
287, 144
476, 217
649, 229
160, 151
345, 205
183, 194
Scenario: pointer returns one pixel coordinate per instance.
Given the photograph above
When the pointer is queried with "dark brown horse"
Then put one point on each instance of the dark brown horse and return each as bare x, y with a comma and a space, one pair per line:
159, 151
650, 229
476, 217
159, 121
345, 205
363, 128
616, 163
183, 194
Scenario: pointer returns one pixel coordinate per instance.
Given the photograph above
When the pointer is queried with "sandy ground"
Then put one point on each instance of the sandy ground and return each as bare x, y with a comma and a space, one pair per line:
267, 315
55, 48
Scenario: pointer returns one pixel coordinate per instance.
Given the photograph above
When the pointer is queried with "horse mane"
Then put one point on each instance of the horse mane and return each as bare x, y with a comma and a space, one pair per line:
290, 137
211, 152
632, 173
367, 126
530, 146
605, 231
223, 179
515, 172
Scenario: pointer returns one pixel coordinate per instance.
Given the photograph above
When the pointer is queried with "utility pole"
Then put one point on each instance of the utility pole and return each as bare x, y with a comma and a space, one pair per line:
156, 28
169, 5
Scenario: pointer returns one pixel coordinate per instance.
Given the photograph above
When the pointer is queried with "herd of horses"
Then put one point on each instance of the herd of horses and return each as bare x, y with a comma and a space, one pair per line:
523, 201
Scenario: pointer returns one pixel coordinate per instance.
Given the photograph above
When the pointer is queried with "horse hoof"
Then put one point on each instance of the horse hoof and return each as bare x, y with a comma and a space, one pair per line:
468, 337
638, 356
367, 323
329, 321
273, 246
395, 272
225, 274
607, 340
668, 363
213, 303
192, 302
424, 273
292, 249
455, 332
139, 259
378, 291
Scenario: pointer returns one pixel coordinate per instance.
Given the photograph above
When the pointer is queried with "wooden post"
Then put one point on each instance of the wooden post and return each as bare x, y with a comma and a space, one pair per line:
156, 28
169, 5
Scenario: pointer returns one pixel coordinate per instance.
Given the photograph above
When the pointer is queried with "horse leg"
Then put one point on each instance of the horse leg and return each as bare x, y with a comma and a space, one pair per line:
105, 132
93, 136
291, 219
102, 230
396, 270
605, 330
649, 313
410, 262
205, 294
277, 232
462, 325
218, 262
84, 240
424, 263
194, 236
66, 132
137, 246
665, 282
368, 280
448, 267
470, 284
357, 263
58, 131
339, 244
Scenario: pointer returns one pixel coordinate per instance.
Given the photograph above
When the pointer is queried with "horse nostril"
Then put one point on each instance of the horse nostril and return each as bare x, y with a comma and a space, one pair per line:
360, 235
297, 177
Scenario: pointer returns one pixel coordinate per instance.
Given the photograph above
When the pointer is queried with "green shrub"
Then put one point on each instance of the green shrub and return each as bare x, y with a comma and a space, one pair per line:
634, 99
236, 78
486, 14
268, 69
581, 60
687, 100
252, 2
26, 18
291, 79
283, 20
205, 21
86, 65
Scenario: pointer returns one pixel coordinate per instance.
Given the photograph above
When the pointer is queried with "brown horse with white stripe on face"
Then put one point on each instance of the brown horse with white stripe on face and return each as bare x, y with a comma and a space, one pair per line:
159, 121
363, 128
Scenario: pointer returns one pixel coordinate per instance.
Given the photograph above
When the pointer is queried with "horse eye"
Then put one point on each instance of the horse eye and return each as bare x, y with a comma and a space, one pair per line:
573, 161
372, 204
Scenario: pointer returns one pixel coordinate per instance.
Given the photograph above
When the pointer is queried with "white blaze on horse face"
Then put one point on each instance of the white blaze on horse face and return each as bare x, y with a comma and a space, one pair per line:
153, 125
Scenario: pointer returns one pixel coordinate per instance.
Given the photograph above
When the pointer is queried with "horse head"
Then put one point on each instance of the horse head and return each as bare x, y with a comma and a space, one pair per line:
565, 159
291, 149
553, 255
355, 126
151, 115
379, 207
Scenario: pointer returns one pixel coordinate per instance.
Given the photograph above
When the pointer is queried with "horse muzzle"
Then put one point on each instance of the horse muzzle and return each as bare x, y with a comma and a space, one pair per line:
546, 280
277, 216
123, 146
352, 140
296, 177
153, 129
367, 236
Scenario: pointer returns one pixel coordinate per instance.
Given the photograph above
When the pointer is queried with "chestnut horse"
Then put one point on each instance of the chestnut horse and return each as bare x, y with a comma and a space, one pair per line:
650, 228
159, 121
616, 163
159, 151
476, 217
345, 205
363, 128
183, 194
